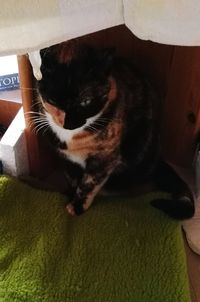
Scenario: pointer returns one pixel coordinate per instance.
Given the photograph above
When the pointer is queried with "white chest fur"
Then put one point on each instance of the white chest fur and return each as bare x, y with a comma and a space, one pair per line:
67, 136
63, 134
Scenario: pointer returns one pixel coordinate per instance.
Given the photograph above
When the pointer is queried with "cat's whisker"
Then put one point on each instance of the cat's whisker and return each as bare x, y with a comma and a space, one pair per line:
103, 119
30, 124
102, 124
38, 130
40, 127
27, 88
93, 129
36, 104
36, 119
37, 101
35, 113
45, 130
39, 123
99, 123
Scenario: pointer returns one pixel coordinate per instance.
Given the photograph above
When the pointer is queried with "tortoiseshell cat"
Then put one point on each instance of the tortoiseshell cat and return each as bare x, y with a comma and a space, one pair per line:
104, 119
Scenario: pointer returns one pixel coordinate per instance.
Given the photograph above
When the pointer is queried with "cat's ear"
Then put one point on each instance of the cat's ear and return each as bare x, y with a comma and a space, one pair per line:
48, 60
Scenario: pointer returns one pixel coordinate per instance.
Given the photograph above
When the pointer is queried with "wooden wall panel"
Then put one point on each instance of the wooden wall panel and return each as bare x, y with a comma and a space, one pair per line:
181, 106
8, 110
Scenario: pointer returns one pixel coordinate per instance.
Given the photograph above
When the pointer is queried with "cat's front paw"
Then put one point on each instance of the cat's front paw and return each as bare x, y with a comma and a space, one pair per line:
75, 209
70, 209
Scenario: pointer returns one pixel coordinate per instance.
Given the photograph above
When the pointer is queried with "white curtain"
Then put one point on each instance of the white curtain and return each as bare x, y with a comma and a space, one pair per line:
27, 25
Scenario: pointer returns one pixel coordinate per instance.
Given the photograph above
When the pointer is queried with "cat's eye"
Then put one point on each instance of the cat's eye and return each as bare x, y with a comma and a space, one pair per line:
85, 102
51, 102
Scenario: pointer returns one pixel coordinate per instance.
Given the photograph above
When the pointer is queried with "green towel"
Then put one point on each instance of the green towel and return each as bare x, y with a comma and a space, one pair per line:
121, 250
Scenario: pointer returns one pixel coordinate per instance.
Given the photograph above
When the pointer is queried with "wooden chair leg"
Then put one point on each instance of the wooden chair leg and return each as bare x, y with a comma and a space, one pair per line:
25, 74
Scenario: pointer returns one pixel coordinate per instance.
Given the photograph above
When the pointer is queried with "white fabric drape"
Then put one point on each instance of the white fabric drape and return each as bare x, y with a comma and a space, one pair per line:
28, 25
175, 22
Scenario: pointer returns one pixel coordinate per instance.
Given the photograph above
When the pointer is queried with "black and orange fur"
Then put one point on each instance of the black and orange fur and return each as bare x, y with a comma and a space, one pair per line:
121, 145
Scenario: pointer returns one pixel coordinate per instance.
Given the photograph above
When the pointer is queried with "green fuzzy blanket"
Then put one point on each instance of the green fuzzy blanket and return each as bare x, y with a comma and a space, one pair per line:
121, 250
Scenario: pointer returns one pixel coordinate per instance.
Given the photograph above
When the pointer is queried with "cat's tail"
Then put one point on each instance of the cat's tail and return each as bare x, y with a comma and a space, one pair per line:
181, 205
180, 209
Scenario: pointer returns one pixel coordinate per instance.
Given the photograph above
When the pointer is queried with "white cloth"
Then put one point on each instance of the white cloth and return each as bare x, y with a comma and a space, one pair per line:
174, 22
36, 61
28, 25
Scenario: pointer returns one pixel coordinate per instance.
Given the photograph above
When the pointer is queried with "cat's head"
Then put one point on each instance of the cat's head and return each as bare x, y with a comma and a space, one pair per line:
76, 83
